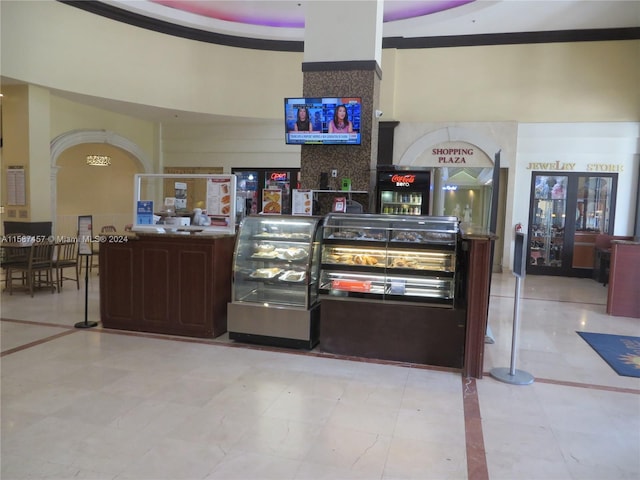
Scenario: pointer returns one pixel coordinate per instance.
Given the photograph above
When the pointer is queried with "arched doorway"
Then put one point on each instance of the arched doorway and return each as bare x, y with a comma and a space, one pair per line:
80, 189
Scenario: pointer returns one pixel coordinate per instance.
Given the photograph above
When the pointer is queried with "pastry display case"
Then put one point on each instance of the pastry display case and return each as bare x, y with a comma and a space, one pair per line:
275, 281
390, 258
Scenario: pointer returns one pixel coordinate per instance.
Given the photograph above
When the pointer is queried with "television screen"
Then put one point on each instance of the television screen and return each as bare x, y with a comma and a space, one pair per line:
322, 121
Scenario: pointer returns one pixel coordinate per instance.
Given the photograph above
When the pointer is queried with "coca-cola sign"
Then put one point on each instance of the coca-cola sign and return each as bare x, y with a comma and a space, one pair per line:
403, 180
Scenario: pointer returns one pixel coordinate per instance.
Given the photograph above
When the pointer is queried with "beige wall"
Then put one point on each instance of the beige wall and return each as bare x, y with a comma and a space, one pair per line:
588, 81
66, 48
106, 193
554, 82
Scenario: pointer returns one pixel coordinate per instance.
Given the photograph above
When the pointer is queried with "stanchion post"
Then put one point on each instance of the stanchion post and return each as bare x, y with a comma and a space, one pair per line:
84, 249
512, 375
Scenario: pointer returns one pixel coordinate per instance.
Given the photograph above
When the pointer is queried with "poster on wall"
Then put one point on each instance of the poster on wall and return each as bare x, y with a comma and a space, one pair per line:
85, 234
272, 201
302, 202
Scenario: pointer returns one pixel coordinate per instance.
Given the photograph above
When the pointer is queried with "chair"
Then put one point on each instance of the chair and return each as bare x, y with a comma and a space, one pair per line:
38, 269
12, 256
66, 257
108, 229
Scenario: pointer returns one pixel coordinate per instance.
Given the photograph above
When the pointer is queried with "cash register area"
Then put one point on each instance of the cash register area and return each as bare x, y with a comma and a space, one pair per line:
106, 404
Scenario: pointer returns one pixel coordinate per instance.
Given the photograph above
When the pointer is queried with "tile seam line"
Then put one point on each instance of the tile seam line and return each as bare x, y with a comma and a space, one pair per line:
35, 343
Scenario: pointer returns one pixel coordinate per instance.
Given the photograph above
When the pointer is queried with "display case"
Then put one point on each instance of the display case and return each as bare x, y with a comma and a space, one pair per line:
275, 281
391, 288
390, 258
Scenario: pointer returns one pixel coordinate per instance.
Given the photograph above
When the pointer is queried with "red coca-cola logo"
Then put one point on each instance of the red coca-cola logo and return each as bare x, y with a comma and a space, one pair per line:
403, 178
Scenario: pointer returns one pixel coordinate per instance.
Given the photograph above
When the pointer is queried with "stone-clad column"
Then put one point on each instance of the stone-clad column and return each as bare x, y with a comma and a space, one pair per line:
343, 46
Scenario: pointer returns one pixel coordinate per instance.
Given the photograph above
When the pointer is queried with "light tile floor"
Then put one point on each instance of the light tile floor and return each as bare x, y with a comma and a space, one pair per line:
99, 404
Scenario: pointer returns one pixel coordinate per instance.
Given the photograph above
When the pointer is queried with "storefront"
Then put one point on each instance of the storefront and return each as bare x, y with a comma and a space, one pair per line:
568, 210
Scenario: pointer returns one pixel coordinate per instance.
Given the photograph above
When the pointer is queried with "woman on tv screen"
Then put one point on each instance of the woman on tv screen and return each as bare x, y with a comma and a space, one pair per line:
340, 122
302, 123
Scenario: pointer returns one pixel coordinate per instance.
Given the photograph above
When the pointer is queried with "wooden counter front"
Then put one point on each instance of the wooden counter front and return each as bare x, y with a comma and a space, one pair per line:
171, 284
624, 277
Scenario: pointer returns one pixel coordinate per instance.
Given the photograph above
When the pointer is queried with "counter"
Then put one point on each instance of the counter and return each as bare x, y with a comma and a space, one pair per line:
166, 283
424, 300
624, 277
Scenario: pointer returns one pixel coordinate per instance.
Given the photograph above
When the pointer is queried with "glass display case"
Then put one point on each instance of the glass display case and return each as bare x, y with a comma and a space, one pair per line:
386, 257
275, 281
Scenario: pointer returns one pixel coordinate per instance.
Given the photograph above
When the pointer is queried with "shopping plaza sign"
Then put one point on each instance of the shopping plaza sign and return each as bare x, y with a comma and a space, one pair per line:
458, 154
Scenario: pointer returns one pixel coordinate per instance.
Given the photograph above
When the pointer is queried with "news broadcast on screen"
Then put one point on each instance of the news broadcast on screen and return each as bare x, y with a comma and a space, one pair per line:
322, 121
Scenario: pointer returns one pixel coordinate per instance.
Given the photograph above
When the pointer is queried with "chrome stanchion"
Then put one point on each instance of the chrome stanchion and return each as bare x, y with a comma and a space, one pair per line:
512, 375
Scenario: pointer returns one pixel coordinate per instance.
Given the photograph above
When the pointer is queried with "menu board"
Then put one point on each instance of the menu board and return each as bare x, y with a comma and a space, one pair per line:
302, 202
272, 201
85, 235
219, 197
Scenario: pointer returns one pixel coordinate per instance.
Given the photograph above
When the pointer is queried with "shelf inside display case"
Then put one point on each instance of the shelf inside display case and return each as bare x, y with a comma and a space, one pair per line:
383, 257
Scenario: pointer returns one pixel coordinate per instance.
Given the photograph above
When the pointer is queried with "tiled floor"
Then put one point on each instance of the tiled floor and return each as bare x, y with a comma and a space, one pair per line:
98, 404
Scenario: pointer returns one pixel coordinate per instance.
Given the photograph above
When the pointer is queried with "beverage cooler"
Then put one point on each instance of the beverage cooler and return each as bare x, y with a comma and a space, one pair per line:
403, 192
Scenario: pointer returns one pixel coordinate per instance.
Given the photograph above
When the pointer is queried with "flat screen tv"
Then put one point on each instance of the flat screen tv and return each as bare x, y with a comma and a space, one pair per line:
322, 120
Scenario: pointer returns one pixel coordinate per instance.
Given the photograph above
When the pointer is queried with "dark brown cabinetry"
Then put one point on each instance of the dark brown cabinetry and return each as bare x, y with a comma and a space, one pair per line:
172, 284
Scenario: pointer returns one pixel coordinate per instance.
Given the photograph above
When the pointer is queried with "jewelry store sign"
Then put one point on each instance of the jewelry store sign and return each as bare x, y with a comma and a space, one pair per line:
562, 166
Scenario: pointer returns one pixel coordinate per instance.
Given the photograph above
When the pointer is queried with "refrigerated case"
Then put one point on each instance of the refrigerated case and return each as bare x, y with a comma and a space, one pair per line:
392, 288
403, 192
387, 258
275, 281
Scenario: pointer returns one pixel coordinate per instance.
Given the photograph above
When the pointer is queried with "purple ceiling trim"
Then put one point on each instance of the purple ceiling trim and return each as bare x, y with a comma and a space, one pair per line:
394, 11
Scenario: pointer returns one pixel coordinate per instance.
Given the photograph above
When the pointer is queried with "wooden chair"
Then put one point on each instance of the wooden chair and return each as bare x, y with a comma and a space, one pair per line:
12, 256
38, 270
66, 257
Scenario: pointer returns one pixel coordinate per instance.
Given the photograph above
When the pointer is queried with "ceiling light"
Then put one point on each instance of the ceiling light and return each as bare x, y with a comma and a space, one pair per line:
99, 160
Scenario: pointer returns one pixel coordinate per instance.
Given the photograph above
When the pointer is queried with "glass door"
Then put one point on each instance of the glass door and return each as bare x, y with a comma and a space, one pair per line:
547, 223
593, 217
567, 212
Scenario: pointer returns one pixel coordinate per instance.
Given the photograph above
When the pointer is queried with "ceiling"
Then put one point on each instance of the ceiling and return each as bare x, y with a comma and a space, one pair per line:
284, 19
408, 20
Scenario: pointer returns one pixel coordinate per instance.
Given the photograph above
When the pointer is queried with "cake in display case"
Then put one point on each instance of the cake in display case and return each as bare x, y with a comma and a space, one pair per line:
390, 258
275, 281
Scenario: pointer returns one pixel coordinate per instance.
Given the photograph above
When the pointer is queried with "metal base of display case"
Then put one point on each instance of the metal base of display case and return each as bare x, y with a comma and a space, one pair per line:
273, 341
278, 327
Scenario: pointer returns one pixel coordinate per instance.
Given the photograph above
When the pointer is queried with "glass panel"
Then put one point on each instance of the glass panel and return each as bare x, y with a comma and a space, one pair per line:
593, 205
593, 201
548, 222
